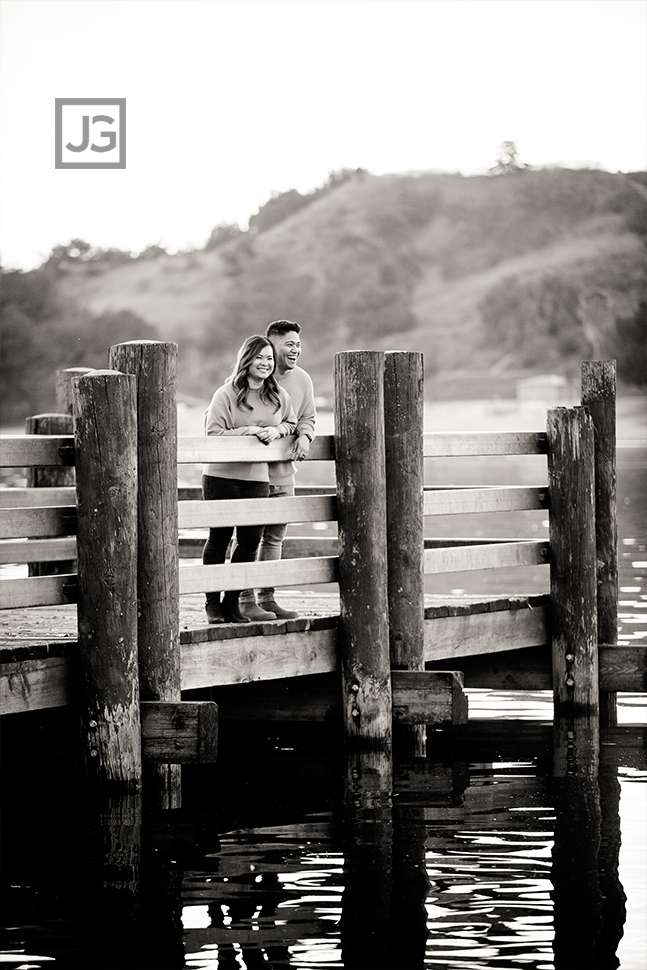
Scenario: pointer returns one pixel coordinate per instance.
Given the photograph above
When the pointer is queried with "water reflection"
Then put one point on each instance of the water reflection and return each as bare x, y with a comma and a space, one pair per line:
497, 863
496, 849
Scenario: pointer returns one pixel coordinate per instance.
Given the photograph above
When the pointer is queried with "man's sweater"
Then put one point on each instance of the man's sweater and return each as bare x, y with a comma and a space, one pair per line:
299, 386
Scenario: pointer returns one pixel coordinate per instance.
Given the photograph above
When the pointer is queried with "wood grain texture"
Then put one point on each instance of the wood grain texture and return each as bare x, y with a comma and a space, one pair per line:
198, 449
504, 498
258, 511
449, 444
286, 572
571, 474
533, 552
363, 563
106, 439
20, 450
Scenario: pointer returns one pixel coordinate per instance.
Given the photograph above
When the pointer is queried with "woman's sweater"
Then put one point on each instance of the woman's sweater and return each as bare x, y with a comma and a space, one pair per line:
225, 417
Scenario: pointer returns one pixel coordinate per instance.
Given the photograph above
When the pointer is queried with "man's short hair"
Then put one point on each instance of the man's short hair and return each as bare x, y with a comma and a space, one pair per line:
279, 327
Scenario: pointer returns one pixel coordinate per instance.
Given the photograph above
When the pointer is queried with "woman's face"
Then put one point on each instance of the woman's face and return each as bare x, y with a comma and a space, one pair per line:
262, 365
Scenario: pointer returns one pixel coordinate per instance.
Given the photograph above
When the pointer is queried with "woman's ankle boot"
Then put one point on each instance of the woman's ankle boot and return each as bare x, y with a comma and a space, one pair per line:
231, 610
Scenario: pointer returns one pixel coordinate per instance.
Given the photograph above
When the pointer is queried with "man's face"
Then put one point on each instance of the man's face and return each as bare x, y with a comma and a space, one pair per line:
288, 349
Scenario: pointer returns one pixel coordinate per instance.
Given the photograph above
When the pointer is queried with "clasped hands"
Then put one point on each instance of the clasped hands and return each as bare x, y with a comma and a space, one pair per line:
301, 446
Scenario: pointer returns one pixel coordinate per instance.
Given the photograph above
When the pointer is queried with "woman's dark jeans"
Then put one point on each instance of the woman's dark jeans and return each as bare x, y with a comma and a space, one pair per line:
248, 537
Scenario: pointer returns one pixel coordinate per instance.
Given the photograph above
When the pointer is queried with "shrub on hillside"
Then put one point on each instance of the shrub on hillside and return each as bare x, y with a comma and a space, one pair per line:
43, 332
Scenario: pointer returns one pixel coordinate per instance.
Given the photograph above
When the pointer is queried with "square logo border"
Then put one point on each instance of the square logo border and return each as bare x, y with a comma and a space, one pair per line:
58, 155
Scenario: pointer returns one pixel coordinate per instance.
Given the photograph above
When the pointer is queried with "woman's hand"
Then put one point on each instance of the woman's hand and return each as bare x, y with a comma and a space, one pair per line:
267, 434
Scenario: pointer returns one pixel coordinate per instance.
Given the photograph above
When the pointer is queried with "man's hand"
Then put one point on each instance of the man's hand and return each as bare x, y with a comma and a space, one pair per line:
301, 447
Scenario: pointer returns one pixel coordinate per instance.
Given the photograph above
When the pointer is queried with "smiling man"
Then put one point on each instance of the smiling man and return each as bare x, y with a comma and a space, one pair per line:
285, 337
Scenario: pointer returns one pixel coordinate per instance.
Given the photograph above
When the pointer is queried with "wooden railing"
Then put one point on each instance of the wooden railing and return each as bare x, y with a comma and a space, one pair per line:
198, 514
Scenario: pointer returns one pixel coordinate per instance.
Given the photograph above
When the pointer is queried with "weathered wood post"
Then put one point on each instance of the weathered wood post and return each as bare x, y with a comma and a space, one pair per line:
64, 387
573, 594
50, 477
599, 397
404, 429
361, 503
154, 365
106, 482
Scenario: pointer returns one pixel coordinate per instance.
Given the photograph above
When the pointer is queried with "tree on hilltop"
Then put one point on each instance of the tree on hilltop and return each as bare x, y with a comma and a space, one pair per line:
507, 160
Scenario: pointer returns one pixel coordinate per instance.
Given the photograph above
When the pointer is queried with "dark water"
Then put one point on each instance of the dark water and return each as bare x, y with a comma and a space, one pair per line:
286, 855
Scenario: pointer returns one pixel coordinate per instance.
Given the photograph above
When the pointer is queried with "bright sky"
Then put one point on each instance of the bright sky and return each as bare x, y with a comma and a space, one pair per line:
230, 100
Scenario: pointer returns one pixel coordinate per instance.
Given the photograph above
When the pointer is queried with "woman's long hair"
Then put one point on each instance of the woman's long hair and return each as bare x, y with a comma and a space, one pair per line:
268, 392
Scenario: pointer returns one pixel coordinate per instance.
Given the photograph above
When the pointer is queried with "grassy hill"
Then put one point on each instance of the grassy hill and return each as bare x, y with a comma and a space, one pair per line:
488, 276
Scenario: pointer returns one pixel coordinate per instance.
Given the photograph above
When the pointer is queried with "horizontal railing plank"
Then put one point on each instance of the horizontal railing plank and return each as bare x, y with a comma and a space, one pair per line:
499, 498
245, 575
294, 547
30, 498
258, 511
196, 449
36, 450
193, 493
37, 550
58, 520
448, 444
38, 591
441, 542
468, 634
13, 498
458, 559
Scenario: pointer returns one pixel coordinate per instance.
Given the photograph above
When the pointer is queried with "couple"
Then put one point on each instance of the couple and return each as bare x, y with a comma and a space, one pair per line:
269, 397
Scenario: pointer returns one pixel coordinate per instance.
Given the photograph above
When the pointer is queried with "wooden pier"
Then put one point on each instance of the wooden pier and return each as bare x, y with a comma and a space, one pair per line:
117, 634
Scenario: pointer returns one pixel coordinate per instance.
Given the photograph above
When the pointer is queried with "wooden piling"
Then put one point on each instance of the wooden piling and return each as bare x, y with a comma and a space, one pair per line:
64, 387
573, 581
403, 432
361, 504
598, 379
154, 365
106, 472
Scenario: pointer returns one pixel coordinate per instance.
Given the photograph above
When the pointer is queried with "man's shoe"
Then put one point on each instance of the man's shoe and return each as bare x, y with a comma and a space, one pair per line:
231, 610
214, 613
278, 611
254, 612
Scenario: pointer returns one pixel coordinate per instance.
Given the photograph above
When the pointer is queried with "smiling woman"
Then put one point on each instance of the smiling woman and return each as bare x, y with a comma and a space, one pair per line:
250, 402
